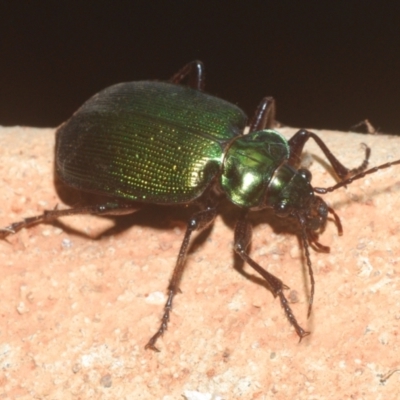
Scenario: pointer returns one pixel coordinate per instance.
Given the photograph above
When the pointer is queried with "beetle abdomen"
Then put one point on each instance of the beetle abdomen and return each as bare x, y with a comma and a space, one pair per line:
147, 141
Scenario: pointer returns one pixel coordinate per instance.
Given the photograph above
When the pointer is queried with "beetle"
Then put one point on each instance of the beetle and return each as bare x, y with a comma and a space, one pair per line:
170, 143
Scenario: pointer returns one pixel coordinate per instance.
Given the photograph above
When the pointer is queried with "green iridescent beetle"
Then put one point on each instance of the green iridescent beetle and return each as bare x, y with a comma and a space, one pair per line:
166, 143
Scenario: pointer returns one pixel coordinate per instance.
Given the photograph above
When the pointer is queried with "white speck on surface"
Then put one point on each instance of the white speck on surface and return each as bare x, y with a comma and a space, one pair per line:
193, 395
5, 356
379, 285
127, 296
66, 244
295, 252
156, 298
22, 308
365, 267
384, 338
237, 302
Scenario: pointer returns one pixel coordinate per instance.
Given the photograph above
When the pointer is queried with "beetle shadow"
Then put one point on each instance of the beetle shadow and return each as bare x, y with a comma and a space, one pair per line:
158, 217
163, 218
325, 164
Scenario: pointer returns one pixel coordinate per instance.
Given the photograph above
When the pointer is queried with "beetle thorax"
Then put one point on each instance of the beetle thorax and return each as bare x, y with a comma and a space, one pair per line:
249, 165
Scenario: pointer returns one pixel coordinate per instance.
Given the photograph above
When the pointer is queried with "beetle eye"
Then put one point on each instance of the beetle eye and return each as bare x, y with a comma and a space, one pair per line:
282, 209
306, 174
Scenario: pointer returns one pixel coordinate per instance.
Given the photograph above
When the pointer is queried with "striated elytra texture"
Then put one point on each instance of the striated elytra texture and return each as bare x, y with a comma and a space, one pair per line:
123, 141
77, 312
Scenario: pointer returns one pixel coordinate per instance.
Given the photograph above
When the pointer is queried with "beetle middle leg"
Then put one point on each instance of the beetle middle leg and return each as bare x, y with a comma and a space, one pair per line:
298, 141
198, 222
243, 232
264, 117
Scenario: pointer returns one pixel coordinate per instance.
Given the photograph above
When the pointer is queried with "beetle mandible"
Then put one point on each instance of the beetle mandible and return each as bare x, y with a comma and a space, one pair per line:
168, 143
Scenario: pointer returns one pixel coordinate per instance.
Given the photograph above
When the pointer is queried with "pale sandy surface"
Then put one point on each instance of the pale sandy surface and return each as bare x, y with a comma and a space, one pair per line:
77, 312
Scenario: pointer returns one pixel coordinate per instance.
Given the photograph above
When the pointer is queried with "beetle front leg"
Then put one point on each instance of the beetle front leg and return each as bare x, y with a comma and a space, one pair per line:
198, 222
298, 141
243, 232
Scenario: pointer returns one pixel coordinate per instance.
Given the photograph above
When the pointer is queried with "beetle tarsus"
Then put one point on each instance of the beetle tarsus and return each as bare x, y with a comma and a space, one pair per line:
301, 333
164, 323
150, 345
8, 230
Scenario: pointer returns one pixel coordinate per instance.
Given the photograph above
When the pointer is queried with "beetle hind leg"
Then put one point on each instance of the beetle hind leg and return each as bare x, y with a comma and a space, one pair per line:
52, 215
193, 72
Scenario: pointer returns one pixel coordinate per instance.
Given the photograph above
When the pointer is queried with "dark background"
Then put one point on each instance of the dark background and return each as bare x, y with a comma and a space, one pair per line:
329, 64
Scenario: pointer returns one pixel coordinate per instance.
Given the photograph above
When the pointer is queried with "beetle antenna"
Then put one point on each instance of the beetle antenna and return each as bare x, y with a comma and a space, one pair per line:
354, 177
310, 237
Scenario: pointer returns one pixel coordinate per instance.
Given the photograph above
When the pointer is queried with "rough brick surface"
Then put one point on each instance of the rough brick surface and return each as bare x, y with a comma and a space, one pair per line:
81, 298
